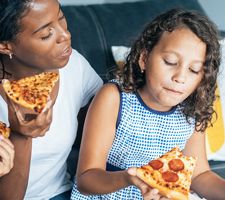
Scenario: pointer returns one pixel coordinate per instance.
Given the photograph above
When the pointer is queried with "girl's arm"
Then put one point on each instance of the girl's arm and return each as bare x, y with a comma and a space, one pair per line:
98, 136
13, 185
204, 182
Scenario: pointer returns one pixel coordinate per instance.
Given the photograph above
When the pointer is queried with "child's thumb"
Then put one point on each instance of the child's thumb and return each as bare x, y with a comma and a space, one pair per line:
132, 171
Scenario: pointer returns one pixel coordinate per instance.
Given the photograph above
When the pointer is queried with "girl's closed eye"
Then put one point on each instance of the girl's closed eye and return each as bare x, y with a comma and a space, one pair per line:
195, 71
170, 62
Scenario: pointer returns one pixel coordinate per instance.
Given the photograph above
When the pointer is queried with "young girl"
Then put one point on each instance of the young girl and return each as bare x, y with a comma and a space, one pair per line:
34, 39
163, 98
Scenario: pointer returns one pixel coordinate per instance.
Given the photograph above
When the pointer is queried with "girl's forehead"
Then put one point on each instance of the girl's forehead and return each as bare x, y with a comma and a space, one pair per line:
183, 43
181, 36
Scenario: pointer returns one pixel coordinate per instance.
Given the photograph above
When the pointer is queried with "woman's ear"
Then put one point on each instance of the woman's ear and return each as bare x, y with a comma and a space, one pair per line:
5, 48
142, 60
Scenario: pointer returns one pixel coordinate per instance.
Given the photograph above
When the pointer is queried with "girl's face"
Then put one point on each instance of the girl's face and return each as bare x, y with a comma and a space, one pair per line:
173, 69
44, 42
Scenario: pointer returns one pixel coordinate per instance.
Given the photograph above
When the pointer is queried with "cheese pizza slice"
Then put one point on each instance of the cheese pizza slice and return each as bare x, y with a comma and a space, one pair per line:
170, 174
32, 92
4, 130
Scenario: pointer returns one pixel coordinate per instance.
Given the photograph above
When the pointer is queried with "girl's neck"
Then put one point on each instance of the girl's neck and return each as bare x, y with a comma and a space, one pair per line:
152, 103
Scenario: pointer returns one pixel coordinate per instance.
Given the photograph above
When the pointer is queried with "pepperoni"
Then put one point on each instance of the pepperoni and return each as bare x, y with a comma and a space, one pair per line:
170, 176
156, 164
176, 165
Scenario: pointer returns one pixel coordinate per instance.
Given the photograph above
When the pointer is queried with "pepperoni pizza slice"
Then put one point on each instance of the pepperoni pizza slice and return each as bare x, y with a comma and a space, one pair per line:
4, 130
32, 92
170, 174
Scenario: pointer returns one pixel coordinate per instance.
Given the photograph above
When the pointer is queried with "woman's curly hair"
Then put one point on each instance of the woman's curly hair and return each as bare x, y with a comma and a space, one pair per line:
199, 105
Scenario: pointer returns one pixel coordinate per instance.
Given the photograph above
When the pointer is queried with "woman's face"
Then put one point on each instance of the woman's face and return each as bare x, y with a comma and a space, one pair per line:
44, 42
173, 69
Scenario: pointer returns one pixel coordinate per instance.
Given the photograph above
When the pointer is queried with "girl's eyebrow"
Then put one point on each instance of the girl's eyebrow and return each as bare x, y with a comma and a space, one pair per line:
46, 25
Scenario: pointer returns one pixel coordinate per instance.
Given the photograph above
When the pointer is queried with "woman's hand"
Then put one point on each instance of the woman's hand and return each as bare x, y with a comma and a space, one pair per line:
27, 122
6, 155
147, 192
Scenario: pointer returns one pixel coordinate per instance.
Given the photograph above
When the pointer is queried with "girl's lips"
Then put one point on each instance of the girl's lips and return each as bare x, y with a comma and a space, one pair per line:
173, 91
66, 53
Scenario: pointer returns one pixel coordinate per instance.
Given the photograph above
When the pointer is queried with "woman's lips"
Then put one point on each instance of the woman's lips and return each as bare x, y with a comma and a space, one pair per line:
66, 53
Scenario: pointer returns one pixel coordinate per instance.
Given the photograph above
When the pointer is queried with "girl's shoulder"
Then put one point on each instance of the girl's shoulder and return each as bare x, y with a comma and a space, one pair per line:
110, 90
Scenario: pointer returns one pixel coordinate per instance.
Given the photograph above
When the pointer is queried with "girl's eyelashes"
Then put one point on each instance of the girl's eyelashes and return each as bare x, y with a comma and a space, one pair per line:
193, 71
170, 63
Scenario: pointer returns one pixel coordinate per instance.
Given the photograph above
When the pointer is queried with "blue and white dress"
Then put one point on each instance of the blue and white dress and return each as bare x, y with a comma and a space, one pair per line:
142, 134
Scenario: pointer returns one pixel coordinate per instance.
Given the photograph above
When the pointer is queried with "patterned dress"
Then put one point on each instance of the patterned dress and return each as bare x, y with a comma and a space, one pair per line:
142, 134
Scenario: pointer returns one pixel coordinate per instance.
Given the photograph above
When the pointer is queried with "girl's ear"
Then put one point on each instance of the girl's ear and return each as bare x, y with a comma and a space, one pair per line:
142, 60
5, 48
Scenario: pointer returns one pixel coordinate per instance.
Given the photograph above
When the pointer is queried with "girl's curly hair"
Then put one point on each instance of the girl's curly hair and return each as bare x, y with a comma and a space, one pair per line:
199, 105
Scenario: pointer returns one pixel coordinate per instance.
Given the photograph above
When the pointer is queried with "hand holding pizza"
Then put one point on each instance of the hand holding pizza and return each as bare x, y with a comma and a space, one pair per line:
148, 193
29, 123
29, 103
6, 150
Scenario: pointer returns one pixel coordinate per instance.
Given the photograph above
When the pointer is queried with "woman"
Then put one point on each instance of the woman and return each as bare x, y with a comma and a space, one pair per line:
34, 39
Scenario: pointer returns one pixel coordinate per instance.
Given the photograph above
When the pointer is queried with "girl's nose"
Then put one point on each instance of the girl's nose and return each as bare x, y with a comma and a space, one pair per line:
180, 76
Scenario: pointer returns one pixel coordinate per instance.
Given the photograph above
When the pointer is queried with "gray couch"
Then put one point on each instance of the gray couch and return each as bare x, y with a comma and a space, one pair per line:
95, 28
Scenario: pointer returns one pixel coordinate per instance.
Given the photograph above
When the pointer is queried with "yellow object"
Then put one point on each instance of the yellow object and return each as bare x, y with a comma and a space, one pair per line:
215, 134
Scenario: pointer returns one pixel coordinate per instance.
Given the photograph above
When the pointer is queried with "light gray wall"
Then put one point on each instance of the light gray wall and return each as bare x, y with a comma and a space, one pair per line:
84, 2
214, 8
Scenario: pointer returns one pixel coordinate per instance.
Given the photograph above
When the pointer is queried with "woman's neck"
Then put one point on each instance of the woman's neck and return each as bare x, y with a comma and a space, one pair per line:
15, 70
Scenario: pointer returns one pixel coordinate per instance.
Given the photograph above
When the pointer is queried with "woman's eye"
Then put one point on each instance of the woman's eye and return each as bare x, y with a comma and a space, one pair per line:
61, 18
170, 63
48, 36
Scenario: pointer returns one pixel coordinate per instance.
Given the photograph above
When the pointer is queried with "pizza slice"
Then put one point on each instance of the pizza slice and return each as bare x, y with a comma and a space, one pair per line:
32, 92
170, 174
4, 130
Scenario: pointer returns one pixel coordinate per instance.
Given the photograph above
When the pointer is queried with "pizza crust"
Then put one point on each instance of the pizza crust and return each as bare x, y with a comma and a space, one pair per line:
173, 183
32, 92
173, 195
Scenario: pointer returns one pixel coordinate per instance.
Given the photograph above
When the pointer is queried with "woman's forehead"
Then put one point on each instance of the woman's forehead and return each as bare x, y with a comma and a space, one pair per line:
39, 13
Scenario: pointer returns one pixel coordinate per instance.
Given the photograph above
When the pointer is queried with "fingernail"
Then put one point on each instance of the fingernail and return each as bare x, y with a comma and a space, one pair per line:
47, 106
1, 137
155, 191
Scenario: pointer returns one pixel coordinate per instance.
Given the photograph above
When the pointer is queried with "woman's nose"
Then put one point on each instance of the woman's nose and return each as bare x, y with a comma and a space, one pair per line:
63, 35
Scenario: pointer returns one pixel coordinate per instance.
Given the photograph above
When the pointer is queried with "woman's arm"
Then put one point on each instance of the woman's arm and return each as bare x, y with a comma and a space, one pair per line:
13, 185
23, 127
205, 182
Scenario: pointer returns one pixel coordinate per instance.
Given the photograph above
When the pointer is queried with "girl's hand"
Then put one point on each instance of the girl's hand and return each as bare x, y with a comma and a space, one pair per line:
27, 122
148, 193
6, 155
